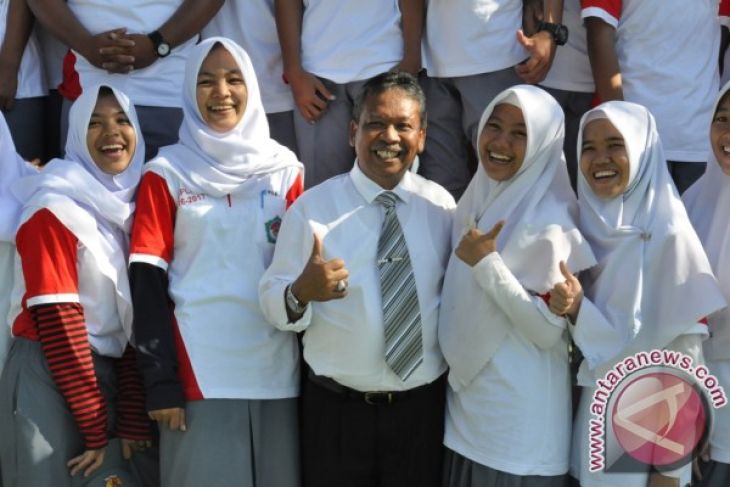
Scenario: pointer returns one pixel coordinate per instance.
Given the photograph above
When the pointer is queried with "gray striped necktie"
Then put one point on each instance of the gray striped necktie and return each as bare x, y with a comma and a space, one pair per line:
401, 314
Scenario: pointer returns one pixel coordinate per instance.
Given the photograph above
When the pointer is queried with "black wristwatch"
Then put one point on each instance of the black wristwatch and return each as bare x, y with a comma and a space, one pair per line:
558, 31
162, 48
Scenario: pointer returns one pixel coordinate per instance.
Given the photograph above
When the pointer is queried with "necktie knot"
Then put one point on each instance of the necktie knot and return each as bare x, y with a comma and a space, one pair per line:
387, 199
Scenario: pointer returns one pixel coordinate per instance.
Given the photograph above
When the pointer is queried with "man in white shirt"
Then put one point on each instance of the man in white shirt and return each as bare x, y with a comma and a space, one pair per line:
136, 46
371, 414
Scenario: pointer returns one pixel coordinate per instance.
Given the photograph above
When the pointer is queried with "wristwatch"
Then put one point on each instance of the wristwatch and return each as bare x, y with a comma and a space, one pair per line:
162, 48
293, 303
558, 31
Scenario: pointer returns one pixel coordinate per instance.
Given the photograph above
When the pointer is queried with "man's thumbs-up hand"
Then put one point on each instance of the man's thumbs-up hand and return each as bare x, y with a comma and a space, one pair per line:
320, 279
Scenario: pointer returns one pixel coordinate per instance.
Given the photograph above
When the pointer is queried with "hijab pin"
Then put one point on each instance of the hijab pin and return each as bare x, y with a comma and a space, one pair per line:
645, 236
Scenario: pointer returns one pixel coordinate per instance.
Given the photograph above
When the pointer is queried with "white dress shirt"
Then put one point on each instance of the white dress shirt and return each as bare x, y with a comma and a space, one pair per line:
344, 338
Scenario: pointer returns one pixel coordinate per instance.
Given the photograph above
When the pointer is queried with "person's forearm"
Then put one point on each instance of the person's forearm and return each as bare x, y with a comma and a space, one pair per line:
19, 24
289, 15
552, 11
604, 61
412, 15
188, 20
60, 21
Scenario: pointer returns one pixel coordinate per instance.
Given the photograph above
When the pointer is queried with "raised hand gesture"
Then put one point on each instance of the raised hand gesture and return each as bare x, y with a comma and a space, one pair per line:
566, 296
321, 280
475, 245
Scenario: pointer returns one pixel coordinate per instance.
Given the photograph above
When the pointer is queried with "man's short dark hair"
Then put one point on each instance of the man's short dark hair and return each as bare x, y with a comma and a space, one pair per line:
387, 81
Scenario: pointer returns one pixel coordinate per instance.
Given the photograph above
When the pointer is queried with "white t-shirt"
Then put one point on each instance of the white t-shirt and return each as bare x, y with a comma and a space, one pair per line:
251, 24
344, 338
351, 40
466, 37
667, 54
221, 248
159, 84
31, 76
571, 68
496, 420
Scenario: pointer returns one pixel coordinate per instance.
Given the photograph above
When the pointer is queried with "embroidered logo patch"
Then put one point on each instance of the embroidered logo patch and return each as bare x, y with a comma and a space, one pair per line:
272, 229
113, 481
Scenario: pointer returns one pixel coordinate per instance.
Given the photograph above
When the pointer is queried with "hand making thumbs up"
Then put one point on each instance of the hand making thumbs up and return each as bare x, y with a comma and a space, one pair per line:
565, 297
475, 245
321, 280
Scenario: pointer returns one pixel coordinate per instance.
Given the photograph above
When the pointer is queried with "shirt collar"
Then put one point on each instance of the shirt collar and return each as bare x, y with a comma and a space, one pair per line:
369, 189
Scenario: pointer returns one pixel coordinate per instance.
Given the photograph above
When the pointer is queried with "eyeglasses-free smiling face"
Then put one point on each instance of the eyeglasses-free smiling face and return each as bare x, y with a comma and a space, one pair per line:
388, 136
221, 91
503, 142
604, 160
720, 134
110, 138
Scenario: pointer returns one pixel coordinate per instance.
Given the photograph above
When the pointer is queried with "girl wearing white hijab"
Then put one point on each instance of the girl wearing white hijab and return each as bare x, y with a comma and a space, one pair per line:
652, 285
221, 382
71, 308
708, 206
514, 226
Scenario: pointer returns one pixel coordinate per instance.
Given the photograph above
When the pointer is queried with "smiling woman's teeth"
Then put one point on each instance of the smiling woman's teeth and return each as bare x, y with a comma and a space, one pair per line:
111, 147
220, 108
726, 149
499, 158
604, 174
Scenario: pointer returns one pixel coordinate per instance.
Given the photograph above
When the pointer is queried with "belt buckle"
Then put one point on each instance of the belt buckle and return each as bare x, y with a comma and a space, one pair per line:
378, 397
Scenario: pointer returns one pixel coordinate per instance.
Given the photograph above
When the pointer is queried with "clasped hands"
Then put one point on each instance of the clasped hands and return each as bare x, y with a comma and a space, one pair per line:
116, 51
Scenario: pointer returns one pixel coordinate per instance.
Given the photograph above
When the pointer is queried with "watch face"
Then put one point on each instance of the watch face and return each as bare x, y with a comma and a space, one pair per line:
163, 49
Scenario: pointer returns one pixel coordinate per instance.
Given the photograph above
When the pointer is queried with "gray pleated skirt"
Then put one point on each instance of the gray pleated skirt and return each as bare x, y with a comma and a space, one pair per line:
233, 442
38, 434
459, 471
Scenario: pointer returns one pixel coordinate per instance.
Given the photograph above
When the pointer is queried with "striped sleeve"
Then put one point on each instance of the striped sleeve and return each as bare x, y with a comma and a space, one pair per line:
65, 344
154, 223
132, 420
607, 10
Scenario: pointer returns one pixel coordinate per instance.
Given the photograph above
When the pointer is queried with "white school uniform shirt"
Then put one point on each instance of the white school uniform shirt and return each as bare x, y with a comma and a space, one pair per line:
157, 85
351, 40
344, 338
251, 24
31, 76
222, 245
571, 68
496, 421
668, 63
466, 37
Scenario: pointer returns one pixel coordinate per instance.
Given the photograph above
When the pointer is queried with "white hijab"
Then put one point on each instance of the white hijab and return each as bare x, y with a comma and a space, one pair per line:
12, 168
96, 207
708, 206
216, 163
540, 211
653, 281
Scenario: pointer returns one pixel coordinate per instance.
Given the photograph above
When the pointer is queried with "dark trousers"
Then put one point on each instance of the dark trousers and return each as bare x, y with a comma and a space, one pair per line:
684, 174
348, 442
